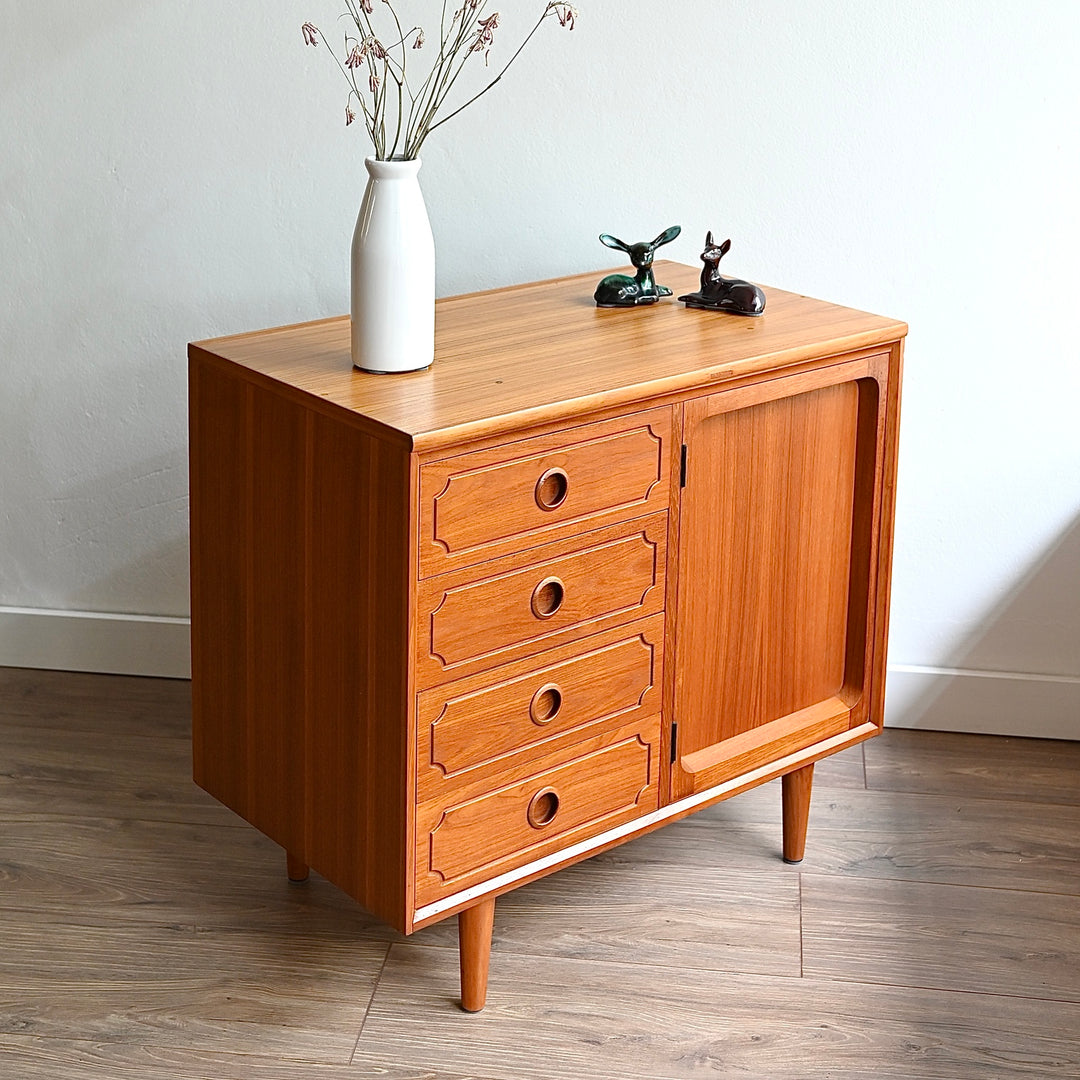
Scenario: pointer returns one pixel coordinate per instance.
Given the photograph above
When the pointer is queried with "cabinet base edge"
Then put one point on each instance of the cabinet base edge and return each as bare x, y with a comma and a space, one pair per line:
448, 905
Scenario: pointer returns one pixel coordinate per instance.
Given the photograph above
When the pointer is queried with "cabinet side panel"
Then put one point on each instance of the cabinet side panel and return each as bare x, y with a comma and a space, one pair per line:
883, 585
357, 672
220, 582
276, 619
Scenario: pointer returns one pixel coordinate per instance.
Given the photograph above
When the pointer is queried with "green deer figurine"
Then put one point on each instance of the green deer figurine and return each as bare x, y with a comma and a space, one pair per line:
622, 290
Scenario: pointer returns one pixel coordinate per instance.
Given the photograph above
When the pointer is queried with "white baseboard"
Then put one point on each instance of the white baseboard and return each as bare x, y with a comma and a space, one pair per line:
983, 702
928, 698
94, 641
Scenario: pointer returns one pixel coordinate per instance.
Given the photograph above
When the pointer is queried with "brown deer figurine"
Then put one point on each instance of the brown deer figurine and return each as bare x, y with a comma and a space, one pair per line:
719, 293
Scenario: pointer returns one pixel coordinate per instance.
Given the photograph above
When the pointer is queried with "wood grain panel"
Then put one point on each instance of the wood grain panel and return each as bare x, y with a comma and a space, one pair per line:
471, 621
358, 785
612, 679
219, 417
950, 937
484, 830
776, 575
487, 503
275, 612
564, 357
771, 539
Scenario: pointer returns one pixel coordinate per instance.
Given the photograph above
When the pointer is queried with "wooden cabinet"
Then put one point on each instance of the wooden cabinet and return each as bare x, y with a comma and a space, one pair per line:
592, 571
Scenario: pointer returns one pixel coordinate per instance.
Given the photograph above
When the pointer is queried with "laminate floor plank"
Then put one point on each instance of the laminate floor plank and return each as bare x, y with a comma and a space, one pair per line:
899, 835
746, 830
549, 1019
726, 920
159, 871
946, 937
30, 1058
298, 995
146, 932
120, 705
84, 774
977, 766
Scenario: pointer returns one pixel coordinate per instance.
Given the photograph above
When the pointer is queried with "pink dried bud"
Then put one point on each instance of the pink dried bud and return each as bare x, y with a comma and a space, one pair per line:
376, 47
350, 116
373, 82
419, 42
367, 6
485, 36
565, 13
355, 58
311, 34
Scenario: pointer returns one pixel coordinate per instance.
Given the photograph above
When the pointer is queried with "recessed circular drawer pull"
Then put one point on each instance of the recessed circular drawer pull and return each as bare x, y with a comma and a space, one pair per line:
545, 704
548, 597
551, 489
543, 807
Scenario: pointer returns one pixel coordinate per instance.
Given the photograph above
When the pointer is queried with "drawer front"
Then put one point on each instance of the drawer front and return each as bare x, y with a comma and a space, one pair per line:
613, 576
484, 833
491, 502
499, 719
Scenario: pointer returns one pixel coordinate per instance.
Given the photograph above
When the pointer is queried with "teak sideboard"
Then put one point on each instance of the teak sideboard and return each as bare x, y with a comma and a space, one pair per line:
592, 571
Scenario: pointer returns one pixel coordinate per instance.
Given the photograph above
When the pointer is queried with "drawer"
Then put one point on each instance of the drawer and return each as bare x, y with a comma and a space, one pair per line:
491, 502
500, 719
480, 833
551, 595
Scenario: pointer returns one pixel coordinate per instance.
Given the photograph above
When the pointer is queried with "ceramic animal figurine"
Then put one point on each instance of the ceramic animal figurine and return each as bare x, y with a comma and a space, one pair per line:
622, 290
719, 293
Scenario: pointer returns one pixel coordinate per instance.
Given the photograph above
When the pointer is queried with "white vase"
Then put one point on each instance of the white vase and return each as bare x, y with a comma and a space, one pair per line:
393, 272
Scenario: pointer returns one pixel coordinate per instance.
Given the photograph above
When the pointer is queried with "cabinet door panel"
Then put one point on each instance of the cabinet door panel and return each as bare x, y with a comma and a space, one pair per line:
775, 582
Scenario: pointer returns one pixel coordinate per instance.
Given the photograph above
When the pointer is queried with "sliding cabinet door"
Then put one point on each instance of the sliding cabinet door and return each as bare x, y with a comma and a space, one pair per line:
777, 584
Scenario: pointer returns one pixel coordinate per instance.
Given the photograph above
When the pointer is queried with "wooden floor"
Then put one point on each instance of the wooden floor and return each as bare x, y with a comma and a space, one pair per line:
933, 930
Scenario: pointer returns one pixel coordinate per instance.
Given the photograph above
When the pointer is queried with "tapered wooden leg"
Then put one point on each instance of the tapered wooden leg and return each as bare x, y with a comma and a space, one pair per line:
796, 795
298, 870
474, 948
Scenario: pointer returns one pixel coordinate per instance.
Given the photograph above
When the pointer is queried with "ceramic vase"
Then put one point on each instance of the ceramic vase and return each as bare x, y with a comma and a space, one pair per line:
393, 272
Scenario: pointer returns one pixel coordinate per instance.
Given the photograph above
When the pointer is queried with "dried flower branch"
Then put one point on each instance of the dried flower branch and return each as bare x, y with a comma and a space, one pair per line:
416, 112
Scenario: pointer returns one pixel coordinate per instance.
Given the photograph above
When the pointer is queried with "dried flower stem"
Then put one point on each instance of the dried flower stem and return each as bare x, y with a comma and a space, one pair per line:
468, 31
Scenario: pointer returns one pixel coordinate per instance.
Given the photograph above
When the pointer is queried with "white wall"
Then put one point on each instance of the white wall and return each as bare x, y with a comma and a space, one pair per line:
177, 171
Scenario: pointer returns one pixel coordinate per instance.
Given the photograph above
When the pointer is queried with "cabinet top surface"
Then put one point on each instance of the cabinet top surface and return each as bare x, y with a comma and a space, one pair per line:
531, 354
